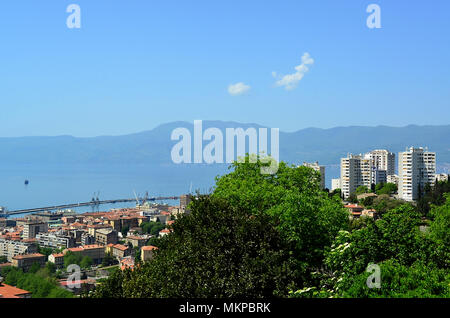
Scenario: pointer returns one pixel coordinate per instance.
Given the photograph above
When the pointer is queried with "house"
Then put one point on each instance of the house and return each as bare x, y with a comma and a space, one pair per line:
57, 259
120, 251
127, 262
136, 241
106, 236
355, 209
370, 213
147, 252
164, 232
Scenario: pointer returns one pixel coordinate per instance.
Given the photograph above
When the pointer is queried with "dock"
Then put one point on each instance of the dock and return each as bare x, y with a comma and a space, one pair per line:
81, 204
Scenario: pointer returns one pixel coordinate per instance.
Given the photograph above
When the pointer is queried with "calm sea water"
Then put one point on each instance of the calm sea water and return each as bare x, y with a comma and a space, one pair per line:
62, 184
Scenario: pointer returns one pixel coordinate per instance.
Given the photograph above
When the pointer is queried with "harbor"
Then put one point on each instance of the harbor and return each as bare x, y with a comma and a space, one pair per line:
4, 213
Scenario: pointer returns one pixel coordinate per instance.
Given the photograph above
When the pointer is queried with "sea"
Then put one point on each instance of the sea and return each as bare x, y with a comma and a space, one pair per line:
58, 184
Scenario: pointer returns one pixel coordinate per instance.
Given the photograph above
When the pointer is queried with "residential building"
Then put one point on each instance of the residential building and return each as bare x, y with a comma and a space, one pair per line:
383, 160
95, 252
378, 176
147, 252
393, 179
137, 241
27, 260
318, 168
32, 228
55, 240
335, 184
356, 171
94, 227
11, 248
185, 199
57, 259
120, 251
106, 236
127, 262
87, 239
416, 168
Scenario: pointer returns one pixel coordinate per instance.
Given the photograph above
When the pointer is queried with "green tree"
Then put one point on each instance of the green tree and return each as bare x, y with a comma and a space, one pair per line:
303, 213
72, 258
400, 281
362, 189
215, 251
386, 188
86, 262
40, 284
34, 267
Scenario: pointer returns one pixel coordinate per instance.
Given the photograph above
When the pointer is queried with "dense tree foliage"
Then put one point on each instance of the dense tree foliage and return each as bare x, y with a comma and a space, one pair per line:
216, 251
255, 235
386, 188
433, 195
152, 228
414, 260
41, 283
259, 235
304, 214
74, 258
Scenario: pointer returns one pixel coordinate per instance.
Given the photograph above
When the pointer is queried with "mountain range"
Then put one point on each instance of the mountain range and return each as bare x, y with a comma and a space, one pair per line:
326, 146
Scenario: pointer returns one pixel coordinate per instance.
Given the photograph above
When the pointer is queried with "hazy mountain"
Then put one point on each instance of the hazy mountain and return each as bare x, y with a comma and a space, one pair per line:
312, 144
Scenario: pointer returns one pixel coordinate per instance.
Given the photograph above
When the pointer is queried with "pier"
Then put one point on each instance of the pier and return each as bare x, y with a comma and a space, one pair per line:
81, 204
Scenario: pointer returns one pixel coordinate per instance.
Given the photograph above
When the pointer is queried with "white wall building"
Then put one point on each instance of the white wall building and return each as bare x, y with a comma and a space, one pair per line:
441, 177
356, 171
383, 160
318, 168
416, 167
335, 184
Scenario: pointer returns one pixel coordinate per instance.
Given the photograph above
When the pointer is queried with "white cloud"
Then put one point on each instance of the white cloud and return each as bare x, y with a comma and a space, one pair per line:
290, 81
238, 89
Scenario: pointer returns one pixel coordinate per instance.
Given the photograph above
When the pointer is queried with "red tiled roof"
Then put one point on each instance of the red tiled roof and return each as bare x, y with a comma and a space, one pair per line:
7, 291
24, 256
121, 247
149, 248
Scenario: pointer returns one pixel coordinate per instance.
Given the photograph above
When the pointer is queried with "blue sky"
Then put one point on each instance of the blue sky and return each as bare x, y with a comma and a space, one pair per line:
139, 63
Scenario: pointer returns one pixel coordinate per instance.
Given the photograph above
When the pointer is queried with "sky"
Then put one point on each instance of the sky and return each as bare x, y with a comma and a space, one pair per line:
136, 64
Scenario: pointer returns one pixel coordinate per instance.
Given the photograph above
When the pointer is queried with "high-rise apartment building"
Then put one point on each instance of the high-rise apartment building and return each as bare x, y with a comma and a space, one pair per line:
356, 170
383, 160
416, 168
320, 169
